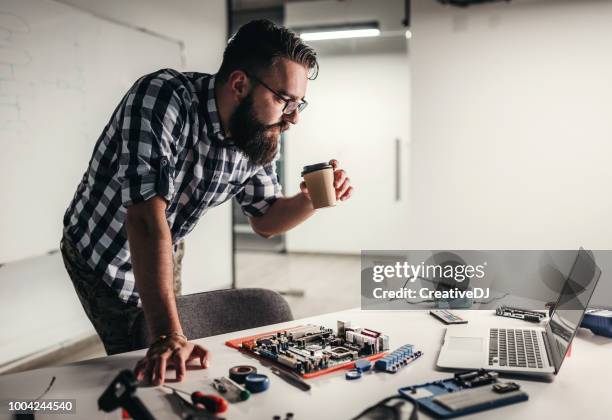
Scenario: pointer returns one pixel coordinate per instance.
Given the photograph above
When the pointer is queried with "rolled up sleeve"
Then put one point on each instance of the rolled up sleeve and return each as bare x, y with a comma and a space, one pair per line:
150, 125
260, 191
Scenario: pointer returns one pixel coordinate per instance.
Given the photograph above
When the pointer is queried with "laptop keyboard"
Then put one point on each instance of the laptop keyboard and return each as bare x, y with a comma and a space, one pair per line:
514, 348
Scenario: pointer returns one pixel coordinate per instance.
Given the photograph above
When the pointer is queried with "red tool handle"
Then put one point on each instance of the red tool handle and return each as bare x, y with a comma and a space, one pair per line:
213, 403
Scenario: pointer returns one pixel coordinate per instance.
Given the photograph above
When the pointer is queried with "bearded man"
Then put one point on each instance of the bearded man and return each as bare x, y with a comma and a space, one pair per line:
176, 145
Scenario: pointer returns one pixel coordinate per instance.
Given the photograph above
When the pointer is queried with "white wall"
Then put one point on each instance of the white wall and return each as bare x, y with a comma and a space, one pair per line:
202, 27
200, 24
59, 83
511, 125
359, 106
388, 13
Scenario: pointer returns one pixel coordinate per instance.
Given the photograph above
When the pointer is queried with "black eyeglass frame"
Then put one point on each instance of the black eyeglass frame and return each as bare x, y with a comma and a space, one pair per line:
299, 107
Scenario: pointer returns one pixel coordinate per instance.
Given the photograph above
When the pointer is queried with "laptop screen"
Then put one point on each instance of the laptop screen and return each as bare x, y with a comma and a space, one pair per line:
572, 303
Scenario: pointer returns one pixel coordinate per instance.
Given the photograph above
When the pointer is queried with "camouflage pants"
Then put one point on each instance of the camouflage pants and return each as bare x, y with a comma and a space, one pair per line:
111, 317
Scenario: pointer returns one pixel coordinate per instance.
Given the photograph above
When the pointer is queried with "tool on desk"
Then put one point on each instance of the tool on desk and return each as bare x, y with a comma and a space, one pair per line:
213, 403
599, 321
464, 393
447, 316
121, 393
239, 373
187, 410
256, 382
291, 378
232, 391
520, 313
390, 408
529, 350
397, 359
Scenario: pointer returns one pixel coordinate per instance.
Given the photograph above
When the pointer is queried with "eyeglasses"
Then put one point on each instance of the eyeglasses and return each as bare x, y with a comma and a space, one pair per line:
291, 105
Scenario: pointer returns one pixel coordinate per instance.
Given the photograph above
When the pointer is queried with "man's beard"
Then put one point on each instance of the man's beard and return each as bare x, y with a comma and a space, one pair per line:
257, 141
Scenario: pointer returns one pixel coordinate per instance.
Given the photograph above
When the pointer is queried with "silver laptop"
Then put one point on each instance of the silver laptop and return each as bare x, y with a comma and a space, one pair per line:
526, 350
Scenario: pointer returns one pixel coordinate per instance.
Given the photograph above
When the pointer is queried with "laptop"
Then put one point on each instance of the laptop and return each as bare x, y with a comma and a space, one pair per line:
537, 351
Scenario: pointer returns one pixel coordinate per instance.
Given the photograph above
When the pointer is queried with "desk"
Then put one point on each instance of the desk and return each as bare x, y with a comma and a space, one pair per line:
576, 393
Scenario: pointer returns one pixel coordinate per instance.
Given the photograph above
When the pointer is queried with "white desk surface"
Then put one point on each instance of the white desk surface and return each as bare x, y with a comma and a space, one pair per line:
580, 390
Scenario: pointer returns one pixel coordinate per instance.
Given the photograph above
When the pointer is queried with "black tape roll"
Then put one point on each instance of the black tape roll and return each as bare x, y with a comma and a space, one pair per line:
240, 372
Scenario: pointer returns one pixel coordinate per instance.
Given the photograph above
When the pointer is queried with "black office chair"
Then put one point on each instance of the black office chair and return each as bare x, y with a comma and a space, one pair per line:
221, 311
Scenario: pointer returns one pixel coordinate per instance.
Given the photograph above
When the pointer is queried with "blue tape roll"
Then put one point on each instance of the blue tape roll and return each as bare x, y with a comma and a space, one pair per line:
256, 382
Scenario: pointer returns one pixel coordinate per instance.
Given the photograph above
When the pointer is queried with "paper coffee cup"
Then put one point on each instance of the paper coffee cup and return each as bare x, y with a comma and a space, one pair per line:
319, 180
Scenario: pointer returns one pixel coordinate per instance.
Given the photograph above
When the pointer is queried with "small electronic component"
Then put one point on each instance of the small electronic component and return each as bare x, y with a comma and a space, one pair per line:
288, 416
519, 313
363, 365
397, 359
352, 374
447, 316
309, 349
475, 378
503, 387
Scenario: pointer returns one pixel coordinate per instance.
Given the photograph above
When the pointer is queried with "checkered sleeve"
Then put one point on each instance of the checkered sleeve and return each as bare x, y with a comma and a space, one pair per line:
260, 191
151, 123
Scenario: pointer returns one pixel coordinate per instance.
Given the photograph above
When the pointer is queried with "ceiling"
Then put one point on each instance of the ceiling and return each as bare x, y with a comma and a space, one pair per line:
262, 4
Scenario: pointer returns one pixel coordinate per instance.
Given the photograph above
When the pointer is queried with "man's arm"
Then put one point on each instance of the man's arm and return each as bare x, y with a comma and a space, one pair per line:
151, 252
288, 212
150, 241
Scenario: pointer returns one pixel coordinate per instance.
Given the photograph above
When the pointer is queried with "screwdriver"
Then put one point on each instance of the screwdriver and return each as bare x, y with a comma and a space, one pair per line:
213, 403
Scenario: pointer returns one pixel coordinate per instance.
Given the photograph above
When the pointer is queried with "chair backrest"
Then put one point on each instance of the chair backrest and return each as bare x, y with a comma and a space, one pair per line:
221, 311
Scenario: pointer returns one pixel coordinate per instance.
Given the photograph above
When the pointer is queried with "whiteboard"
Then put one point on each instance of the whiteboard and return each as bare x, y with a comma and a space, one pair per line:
62, 73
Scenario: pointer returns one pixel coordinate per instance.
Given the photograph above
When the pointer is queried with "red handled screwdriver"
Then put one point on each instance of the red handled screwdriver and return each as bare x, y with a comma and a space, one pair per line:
213, 403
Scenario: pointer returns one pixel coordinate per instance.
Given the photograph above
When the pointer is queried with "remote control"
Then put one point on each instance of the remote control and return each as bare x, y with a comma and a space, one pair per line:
447, 316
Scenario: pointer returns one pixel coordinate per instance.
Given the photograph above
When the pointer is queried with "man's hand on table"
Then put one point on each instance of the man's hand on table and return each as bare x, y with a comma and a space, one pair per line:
173, 351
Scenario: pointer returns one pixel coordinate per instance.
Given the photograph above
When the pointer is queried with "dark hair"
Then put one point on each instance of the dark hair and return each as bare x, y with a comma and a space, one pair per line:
259, 44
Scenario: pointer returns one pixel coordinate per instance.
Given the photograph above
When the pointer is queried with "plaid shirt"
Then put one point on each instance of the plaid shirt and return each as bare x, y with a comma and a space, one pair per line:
164, 138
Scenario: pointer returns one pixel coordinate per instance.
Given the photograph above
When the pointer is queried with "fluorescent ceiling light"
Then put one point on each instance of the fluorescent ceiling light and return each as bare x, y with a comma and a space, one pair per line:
341, 31
340, 34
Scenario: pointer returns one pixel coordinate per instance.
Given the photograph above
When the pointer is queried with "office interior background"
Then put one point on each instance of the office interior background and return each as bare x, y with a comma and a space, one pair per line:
486, 127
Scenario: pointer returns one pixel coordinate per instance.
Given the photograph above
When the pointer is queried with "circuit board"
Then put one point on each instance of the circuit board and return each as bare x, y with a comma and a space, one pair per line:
313, 350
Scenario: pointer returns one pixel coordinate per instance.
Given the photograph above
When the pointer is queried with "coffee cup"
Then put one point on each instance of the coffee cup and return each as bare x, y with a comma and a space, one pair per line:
319, 180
